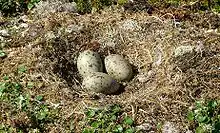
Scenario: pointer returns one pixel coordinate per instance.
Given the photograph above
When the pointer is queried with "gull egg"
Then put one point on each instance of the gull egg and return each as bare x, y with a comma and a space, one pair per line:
89, 62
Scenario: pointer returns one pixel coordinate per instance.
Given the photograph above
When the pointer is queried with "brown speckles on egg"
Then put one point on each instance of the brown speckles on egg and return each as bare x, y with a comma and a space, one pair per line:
100, 83
117, 67
89, 62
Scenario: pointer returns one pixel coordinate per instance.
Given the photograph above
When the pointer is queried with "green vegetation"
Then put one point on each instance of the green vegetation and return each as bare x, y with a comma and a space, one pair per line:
16, 102
31, 113
2, 54
87, 6
32, 3
24, 103
9, 7
198, 5
109, 119
122, 2
216, 5
206, 116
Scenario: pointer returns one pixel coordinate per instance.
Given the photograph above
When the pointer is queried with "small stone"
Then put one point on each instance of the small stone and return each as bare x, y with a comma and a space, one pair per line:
145, 127
130, 25
24, 18
189, 131
181, 50
169, 127
4, 33
68, 7
144, 77
45, 8
110, 44
50, 35
73, 28
1, 38
24, 25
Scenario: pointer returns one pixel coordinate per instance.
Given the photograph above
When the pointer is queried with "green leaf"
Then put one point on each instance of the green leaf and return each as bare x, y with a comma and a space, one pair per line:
122, 2
200, 130
216, 127
32, 3
30, 6
20, 131
212, 104
30, 85
115, 109
100, 115
198, 104
95, 124
22, 69
39, 98
159, 125
90, 113
17, 86
42, 114
202, 119
6, 78
128, 121
119, 129
2, 54
190, 116
113, 118
129, 130
2, 87
87, 130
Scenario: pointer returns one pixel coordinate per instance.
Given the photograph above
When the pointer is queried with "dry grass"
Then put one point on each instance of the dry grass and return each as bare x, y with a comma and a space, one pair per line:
163, 88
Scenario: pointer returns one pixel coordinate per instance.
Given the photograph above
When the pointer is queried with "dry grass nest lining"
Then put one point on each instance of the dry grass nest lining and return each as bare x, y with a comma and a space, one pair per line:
170, 84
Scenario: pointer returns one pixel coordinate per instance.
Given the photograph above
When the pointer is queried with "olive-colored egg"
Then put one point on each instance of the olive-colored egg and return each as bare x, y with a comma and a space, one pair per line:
89, 62
100, 83
117, 67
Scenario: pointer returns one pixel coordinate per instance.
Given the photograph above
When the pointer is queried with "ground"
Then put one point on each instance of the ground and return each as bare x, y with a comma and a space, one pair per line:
176, 62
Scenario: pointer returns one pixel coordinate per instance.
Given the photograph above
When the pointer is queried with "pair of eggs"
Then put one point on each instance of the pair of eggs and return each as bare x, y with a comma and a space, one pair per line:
90, 67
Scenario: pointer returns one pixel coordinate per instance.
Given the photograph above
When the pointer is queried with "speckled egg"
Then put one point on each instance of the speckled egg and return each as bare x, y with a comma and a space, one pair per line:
100, 83
89, 62
118, 68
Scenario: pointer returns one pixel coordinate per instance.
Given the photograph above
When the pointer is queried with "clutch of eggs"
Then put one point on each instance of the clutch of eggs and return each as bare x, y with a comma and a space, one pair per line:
90, 67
